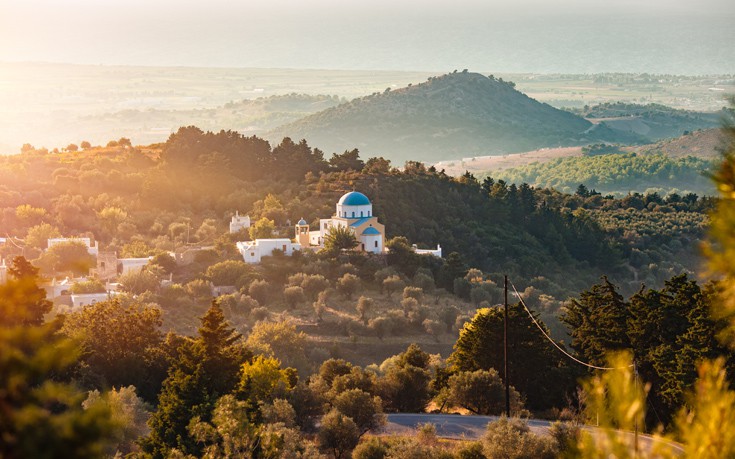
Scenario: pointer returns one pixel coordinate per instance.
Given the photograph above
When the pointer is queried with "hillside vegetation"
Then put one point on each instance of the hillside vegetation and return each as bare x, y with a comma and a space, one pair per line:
453, 115
617, 173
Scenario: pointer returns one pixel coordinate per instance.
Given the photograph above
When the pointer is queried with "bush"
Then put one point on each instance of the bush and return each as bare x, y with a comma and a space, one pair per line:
260, 290
373, 448
512, 439
348, 285
293, 296
338, 434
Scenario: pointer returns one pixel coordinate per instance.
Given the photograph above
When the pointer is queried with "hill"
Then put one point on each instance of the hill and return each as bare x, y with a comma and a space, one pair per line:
702, 144
450, 116
652, 121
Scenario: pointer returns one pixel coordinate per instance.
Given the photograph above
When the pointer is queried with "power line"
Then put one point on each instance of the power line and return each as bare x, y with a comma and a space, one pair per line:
561, 349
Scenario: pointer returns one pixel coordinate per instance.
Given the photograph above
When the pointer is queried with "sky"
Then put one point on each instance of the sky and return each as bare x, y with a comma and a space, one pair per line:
545, 36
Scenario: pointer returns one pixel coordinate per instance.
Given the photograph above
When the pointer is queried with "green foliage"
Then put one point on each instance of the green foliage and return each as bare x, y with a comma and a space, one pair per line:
229, 272
365, 410
404, 387
512, 439
616, 173
88, 286
138, 282
71, 256
481, 392
22, 302
43, 417
535, 368
348, 285
338, 434
668, 330
121, 345
128, 411
205, 369
262, 229
339, 239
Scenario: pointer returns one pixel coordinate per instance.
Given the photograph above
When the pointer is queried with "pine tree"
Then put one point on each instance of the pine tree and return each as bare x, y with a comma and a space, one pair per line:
207, 369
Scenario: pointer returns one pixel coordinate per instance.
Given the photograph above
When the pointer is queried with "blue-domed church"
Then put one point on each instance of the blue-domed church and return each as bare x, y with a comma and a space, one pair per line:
354, 211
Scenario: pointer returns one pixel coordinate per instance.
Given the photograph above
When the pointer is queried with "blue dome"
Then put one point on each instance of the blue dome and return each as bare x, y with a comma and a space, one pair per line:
302, 222
370, 231
354, 198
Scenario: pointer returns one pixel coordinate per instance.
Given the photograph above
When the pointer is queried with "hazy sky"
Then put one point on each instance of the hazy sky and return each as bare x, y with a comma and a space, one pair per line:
659, 36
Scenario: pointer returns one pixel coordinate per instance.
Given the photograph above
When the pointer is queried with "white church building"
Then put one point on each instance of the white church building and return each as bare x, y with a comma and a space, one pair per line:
353, 210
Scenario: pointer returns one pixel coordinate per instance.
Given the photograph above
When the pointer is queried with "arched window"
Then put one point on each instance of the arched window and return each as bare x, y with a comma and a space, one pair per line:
361, 214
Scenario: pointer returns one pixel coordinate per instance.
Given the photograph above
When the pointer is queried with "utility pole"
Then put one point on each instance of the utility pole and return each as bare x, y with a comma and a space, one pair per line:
505, 350
635, 438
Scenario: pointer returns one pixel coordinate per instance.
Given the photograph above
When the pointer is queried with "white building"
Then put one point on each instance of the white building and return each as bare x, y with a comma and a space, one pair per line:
92, 249
79, 300
436, 253
239, 222
133, 265
3, 272
254, 251
354, 211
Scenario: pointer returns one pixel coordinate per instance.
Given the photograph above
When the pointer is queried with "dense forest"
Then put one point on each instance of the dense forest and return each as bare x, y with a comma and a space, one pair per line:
308, 352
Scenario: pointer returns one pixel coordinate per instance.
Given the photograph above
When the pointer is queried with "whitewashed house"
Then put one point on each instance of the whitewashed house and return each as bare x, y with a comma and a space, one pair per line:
133, 265
79, 300
254, 251
239, 222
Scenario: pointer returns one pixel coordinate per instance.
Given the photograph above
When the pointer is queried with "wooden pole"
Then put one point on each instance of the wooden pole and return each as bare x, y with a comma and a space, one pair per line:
505, 351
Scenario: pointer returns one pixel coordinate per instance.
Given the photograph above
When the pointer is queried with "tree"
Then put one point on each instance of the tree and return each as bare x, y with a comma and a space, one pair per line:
338, 434
364, 305
535, 368
228, 272
364, 409
42, 417
294, 295
338, 239
85, 145
139, 282
401, 256
282, 341
260, 290
128, 411
120, 344
348, 285
22, 302
88, 286
349, 160
263, 380
205, 369
393, 284
70, 256
598, 322
405, 385
39, 235
481, 391
262, 229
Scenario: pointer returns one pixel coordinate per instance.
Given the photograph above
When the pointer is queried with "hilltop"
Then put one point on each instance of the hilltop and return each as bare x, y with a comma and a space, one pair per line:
449, 116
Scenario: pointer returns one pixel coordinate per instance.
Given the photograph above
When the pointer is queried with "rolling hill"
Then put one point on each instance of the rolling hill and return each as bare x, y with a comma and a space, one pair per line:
450, 116
653, 121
